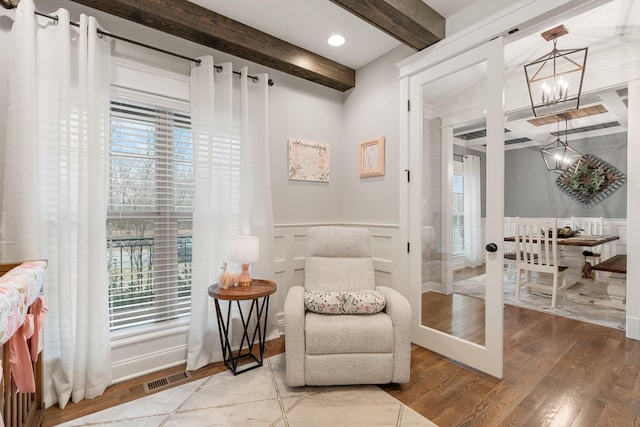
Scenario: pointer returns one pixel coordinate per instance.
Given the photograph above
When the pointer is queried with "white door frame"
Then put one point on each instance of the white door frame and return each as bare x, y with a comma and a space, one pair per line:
527, 16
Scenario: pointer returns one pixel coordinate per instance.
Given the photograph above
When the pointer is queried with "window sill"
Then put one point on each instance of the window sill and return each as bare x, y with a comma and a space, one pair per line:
149, 332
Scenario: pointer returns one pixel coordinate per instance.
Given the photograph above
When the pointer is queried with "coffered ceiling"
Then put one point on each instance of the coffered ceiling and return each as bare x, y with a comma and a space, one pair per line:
612, 34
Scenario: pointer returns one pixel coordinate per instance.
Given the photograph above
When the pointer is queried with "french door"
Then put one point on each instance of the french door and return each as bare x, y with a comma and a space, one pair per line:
456, 112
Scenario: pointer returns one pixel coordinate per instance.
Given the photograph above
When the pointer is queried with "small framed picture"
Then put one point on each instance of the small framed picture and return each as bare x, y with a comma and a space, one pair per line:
372, 157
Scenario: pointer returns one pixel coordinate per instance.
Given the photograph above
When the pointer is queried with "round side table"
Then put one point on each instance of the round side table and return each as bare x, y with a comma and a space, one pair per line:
258, 293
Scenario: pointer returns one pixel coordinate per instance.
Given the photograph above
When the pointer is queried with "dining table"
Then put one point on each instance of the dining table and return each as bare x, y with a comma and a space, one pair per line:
579, 240
570, 255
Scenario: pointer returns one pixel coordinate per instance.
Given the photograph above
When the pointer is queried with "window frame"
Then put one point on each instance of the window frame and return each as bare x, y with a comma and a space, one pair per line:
163, 215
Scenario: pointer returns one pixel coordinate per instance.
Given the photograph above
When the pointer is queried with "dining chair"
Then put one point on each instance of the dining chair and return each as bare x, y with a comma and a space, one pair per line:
537, 252
592, 226
509, 247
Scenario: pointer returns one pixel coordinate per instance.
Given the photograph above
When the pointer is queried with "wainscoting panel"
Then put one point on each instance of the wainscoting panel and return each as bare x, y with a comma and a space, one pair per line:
616, 227
290, 240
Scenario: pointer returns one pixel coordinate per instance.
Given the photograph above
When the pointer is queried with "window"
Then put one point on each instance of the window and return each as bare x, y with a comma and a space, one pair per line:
458, 212
149, 219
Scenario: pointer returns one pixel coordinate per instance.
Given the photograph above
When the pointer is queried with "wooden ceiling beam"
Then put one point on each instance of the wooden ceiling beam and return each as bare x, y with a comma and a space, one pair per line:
197, 24
412, 22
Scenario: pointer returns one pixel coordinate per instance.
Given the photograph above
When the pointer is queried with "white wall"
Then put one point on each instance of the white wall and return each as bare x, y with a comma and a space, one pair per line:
6, 22
308, 111
370, 110
633, 212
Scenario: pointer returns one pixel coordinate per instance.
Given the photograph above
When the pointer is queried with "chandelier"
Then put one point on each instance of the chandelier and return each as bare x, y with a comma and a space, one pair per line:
555, 80
559, 156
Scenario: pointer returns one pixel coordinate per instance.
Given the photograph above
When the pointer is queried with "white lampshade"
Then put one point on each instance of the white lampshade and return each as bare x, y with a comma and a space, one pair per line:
245, 249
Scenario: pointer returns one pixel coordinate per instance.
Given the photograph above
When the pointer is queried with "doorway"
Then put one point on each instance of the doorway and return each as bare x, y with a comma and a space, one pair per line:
605, 76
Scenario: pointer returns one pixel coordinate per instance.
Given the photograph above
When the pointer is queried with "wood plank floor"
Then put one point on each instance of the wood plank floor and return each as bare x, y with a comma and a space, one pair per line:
558, 372
459, 315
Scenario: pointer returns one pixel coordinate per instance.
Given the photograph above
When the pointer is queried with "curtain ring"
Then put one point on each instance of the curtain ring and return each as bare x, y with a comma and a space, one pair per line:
8, 4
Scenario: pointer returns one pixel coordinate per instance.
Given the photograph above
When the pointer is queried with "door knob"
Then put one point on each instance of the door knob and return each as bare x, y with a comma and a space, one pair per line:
491, 247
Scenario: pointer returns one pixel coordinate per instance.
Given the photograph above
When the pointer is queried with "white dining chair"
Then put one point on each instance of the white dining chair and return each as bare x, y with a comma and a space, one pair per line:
537, 252
591, 226
509, 247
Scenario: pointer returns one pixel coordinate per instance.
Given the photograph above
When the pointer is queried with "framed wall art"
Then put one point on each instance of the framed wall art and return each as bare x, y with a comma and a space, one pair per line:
372, 157
308, 161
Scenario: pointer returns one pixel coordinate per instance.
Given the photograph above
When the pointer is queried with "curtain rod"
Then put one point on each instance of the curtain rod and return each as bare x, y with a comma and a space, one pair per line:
7, 4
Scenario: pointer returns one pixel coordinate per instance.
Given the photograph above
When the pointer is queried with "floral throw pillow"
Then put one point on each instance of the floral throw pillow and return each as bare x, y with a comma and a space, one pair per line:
359, 302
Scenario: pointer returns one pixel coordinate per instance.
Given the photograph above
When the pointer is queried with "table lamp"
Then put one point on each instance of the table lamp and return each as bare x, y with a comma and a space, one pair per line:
245, 250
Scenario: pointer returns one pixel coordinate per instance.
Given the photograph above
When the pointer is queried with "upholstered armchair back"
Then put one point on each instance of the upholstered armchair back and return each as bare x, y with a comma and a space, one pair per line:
339, 259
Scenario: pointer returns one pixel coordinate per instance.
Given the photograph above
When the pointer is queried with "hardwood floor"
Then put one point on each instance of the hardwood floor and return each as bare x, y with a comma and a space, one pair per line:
558, 372
458, 315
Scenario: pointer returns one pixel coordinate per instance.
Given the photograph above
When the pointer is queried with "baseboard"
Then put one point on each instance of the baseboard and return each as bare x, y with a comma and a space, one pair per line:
432, 287
149, 363
280, 322
633, 328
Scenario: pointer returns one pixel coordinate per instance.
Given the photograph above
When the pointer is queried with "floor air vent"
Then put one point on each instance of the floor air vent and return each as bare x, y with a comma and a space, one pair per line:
166, 381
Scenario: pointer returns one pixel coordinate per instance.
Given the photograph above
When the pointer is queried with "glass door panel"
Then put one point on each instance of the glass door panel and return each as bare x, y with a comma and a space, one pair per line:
456, 149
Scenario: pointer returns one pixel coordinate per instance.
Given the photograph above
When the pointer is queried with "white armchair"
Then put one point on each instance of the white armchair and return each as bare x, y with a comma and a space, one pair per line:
334, 349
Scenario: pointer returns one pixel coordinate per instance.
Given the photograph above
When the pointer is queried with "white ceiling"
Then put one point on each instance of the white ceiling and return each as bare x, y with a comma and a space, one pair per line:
309, 23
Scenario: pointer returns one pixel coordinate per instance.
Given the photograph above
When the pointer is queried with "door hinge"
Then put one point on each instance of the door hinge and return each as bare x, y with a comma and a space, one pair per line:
408, 172
408, 105
408, 247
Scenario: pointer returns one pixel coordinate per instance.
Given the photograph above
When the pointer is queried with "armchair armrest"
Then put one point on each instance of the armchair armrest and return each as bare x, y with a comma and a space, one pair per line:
294, 336
399, 309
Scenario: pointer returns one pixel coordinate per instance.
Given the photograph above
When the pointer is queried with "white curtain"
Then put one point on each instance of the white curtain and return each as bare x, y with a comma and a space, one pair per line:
55, 188
473, 253
232, 191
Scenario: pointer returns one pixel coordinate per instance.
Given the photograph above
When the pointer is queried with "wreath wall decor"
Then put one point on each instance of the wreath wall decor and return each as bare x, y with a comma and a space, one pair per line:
590, 180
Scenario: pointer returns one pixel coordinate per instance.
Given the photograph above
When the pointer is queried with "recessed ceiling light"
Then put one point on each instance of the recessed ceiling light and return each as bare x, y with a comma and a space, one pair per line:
336, 40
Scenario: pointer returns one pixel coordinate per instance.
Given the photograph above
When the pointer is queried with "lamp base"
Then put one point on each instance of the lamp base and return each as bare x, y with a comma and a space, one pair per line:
244, 279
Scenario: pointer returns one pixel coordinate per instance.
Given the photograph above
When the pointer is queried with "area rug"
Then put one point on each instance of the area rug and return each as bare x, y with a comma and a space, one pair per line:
259, 397
575, 306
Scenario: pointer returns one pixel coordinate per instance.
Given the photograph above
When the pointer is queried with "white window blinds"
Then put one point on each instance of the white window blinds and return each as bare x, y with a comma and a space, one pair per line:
149, 212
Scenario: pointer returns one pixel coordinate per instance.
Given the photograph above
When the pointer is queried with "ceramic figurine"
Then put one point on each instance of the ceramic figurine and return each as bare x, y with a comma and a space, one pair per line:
227, 280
